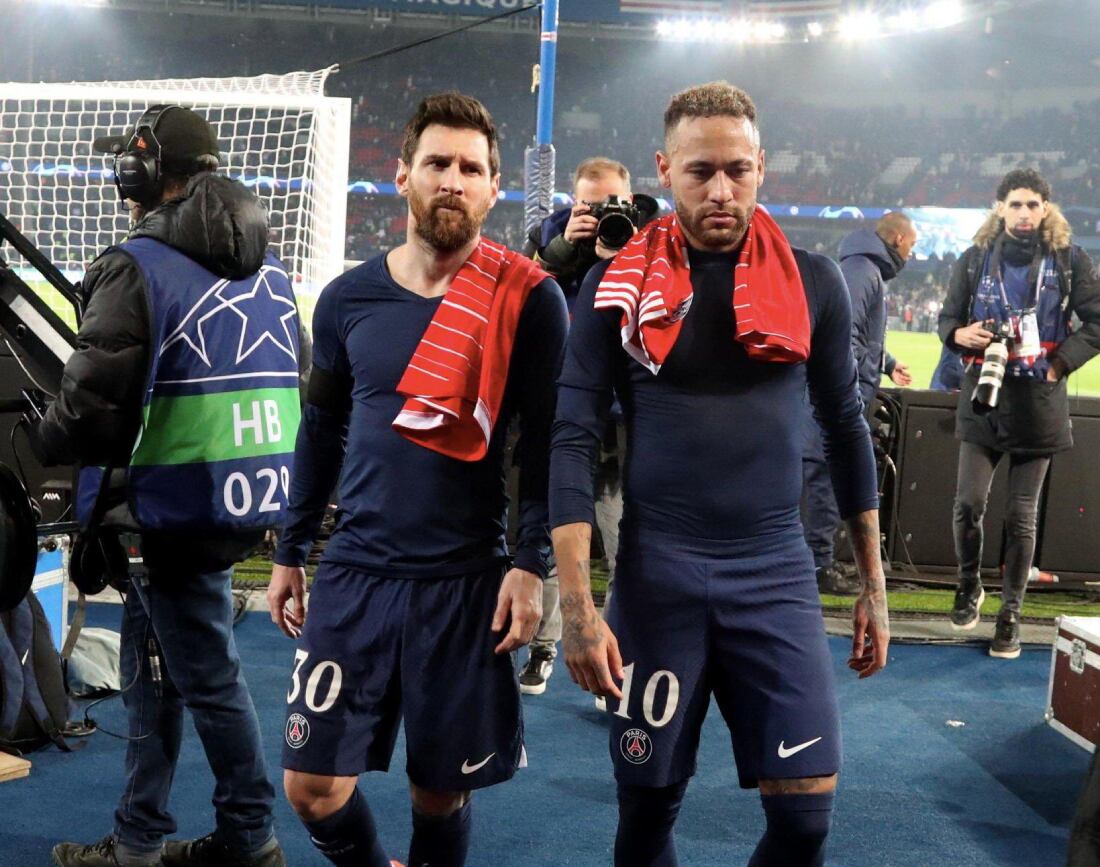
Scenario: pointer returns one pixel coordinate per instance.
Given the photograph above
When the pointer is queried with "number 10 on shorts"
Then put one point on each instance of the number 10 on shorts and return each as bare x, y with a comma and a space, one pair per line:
649, 697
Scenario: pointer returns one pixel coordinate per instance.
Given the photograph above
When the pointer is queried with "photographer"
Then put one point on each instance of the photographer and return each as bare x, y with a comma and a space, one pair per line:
184, 385
567, 244
1009, 305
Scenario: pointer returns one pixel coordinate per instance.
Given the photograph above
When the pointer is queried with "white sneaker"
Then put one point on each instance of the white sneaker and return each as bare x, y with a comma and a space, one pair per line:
540, 665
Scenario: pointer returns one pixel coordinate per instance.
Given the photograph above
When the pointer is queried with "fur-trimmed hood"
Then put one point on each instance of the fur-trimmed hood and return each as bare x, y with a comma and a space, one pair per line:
1057, 234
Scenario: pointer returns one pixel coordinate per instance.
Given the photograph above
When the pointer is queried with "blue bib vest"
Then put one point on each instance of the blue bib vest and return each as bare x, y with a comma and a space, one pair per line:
221, 406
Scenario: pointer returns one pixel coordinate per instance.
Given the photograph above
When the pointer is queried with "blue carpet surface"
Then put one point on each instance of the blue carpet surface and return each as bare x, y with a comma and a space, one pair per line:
917, 788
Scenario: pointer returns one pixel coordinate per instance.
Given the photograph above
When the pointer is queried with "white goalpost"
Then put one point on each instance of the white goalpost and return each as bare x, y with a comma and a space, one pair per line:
279, 134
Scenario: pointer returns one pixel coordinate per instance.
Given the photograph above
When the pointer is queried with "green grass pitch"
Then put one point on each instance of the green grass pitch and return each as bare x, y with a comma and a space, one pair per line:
921, 352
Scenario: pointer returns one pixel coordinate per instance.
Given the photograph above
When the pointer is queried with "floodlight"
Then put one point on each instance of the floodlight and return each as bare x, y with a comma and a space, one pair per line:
859, 25
906, 21
815, 29
943, 13
768, 31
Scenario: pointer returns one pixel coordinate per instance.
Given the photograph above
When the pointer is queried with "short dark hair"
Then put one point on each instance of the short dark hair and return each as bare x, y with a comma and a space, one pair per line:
714, 99
891, 224
595, 168
455, 110
1028, 179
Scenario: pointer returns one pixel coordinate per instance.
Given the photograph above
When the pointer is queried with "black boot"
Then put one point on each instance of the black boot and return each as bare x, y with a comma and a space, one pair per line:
968, 604
101, 854
209, 851
1006, 636
832, 580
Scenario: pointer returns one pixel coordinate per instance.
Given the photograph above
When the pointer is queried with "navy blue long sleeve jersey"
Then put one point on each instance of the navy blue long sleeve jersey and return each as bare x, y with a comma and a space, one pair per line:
405, 510
714, 440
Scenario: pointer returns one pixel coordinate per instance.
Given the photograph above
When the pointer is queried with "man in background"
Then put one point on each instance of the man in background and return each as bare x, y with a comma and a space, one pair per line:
186, 382
1021, 282
567, 246
868, 260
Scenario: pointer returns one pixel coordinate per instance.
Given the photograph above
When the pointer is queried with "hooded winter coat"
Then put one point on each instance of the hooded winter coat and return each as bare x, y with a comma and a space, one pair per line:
218, 223
867, 266
1032, 416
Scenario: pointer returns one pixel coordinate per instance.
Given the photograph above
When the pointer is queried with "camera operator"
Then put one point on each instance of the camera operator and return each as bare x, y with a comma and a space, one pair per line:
185, 386
567, 244
1013, 293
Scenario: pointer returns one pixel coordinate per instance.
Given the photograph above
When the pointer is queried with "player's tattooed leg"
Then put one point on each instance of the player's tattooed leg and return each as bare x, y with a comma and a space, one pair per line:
799, 786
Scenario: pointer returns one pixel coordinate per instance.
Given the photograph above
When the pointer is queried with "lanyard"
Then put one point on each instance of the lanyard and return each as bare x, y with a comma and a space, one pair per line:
1038, 288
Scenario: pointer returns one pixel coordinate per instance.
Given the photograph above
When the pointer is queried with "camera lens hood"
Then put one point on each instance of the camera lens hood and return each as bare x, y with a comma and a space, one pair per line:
614, 230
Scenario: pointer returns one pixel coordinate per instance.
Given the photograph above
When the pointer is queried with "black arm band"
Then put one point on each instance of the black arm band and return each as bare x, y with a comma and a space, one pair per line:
328, 391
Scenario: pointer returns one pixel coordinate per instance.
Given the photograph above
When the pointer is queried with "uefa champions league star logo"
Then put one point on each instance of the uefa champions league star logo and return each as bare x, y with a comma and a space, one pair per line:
250, 306
297, 730
635, 746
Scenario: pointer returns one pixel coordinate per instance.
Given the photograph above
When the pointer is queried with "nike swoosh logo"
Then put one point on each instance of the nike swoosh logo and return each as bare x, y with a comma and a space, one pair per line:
467, 768
787, 752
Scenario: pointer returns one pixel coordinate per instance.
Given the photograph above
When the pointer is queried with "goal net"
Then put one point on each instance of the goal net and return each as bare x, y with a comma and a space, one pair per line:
279, 134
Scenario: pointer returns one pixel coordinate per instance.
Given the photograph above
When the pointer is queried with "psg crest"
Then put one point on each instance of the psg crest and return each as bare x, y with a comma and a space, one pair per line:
635, 746
297, 730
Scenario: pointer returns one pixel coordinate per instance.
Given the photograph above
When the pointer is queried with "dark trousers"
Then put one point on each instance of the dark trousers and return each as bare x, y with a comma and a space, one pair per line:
191, 618
1025, 481
820, 515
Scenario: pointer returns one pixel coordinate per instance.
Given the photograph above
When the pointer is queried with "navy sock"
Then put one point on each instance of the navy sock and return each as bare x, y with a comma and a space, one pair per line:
796, 832
348, 837
646, 817
440, 841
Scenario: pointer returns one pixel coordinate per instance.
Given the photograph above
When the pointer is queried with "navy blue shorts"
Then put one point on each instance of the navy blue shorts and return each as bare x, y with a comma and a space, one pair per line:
375, 649
745, 627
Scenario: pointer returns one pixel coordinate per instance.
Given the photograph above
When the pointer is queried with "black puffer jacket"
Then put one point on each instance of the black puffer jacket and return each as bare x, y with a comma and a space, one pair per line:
221, 225
1032, 417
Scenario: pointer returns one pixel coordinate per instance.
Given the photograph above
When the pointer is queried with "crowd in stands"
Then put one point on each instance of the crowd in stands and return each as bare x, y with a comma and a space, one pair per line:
817, 155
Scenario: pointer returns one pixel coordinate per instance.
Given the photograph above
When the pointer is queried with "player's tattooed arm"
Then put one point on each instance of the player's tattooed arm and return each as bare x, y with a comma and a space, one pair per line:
591, 650
582, 626
580, 621
870, 617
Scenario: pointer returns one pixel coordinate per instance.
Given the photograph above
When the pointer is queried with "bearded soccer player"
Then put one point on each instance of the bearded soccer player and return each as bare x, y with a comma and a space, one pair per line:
708, 326
422, 356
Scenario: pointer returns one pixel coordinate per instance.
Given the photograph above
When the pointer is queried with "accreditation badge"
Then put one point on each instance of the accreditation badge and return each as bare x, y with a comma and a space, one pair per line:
1028, 347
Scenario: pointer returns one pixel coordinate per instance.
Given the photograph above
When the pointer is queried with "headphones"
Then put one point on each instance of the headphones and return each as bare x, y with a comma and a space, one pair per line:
138, 173
97, 561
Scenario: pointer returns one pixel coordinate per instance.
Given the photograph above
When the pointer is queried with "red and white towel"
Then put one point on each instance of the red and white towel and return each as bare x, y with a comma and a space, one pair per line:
650, 282
456, 378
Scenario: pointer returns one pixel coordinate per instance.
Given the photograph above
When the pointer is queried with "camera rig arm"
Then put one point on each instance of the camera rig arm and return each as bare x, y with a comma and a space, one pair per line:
27, 323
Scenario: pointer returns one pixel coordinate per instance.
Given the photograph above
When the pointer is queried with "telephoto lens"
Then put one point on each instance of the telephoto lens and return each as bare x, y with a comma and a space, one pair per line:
617, 223
988, 390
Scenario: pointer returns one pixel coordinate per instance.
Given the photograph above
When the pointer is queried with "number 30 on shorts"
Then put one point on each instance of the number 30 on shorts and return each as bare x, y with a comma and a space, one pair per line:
313, 683
649, 696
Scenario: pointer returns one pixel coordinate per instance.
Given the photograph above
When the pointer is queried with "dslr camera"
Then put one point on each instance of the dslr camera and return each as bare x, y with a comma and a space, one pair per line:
616, 221
987, 392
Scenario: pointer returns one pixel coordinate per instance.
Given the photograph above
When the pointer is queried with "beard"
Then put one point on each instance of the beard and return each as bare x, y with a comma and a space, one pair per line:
446, 223
712, 237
